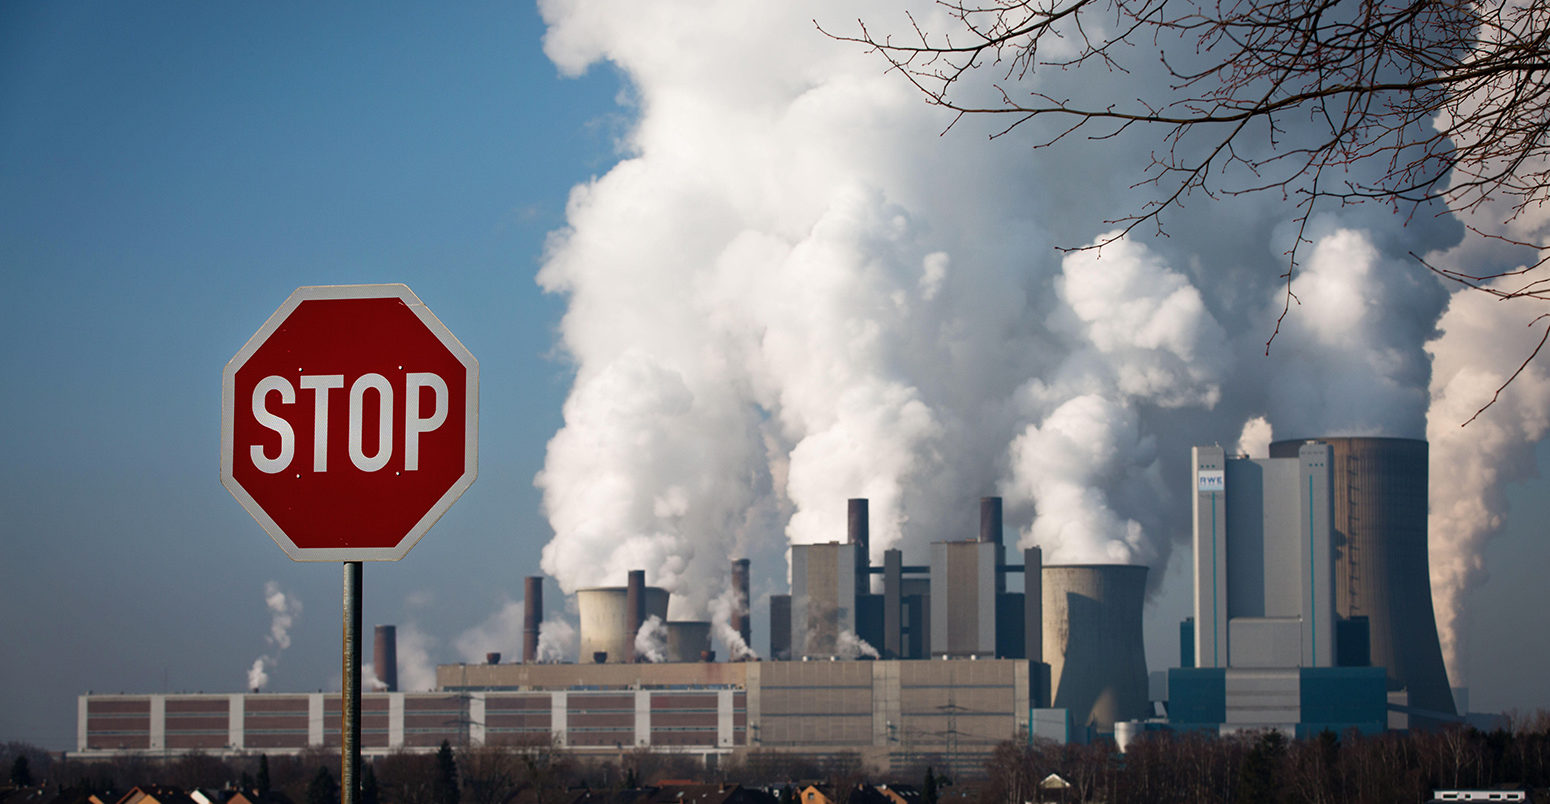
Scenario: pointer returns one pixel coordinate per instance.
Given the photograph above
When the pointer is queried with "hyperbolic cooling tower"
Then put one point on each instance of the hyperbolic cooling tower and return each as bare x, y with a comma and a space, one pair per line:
1093, 642
606, 624
687, 640
1381, 566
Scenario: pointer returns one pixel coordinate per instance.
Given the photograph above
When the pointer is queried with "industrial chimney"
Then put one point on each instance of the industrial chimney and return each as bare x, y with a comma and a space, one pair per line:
740, 619
634, 610
1093, 642
990, 520
859, 533
384, 662
532, 616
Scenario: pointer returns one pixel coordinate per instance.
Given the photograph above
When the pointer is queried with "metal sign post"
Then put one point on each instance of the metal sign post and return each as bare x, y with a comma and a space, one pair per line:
350, 696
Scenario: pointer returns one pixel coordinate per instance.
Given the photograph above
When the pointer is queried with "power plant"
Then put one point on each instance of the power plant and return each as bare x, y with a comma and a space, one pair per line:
1381, 572
1311, 611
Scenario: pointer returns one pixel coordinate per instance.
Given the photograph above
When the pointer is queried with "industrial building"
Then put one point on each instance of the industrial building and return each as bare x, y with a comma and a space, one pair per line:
890, 713
1311, 611
1085, 617
1295, 577
1382, 572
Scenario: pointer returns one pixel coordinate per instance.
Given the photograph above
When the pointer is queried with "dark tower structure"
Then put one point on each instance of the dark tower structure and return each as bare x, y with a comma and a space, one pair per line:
384, 660
740, 619
635, 609
1381, 567
532, 616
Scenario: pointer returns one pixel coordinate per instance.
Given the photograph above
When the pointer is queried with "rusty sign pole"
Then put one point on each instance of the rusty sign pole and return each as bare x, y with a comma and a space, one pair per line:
350, 696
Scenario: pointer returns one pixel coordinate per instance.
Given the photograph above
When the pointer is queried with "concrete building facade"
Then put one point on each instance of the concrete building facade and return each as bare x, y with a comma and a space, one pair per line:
892, 713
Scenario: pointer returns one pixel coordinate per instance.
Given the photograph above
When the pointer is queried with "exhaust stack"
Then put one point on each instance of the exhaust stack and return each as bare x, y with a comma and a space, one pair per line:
532, 616
740, 619
384, 661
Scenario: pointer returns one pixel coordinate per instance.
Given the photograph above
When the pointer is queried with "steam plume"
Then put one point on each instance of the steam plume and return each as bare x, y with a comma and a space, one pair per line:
556, 641
722, 609
651, 640
793, 289
850, 646
283, 611
501, 631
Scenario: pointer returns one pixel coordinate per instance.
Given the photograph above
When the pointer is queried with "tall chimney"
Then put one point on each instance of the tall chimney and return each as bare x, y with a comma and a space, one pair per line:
740, 619
857, 530
990, 519
532, 616
990, 531
634, 610
384, 662
860, 535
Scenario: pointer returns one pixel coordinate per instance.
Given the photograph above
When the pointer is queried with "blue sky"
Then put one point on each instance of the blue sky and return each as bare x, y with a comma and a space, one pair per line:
170, 173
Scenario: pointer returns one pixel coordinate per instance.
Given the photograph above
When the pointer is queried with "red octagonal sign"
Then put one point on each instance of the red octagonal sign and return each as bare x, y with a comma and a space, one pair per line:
350, 423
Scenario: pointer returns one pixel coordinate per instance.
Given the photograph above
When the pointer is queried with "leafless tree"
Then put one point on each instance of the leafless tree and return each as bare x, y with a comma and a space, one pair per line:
1414, 103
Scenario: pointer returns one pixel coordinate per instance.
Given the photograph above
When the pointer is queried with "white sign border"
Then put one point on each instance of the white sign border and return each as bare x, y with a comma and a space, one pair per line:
470, 429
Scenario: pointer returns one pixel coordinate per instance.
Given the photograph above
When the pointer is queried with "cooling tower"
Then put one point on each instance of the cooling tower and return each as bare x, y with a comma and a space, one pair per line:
1381, 567
687, 640
606, 621
1093, 642
384, 661
532, 616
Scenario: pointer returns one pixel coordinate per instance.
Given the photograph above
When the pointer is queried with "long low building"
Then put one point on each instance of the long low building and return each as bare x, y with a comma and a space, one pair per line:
891, 713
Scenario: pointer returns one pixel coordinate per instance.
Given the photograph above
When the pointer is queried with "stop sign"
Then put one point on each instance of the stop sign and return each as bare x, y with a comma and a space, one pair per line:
349, 423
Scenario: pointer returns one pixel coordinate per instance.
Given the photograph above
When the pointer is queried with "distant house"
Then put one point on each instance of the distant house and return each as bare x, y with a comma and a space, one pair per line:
155, 794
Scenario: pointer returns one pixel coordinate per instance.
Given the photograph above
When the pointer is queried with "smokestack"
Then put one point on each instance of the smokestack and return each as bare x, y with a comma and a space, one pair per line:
859, 534
857, 530
990, 520
532, 616
384, 660
634, 610
990, 531
740, 619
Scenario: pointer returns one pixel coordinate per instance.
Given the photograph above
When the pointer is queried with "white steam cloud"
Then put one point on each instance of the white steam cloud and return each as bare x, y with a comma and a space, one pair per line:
850, 646
557, 640
1254, 440
283, 611
793, 289
501, 632
416, 670
651, 640
722, 610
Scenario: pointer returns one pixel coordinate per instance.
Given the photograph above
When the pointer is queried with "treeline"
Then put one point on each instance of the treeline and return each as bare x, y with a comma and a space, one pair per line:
1156, 767
1268, 767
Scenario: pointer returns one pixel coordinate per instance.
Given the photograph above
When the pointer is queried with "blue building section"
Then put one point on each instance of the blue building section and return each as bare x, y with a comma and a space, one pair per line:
1341, 698
1197, 697
1216, 699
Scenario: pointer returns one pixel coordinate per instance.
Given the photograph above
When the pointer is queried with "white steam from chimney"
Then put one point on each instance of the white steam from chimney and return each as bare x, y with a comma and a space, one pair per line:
557, 640
794, 289
651, 640
850, 646
283, 611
